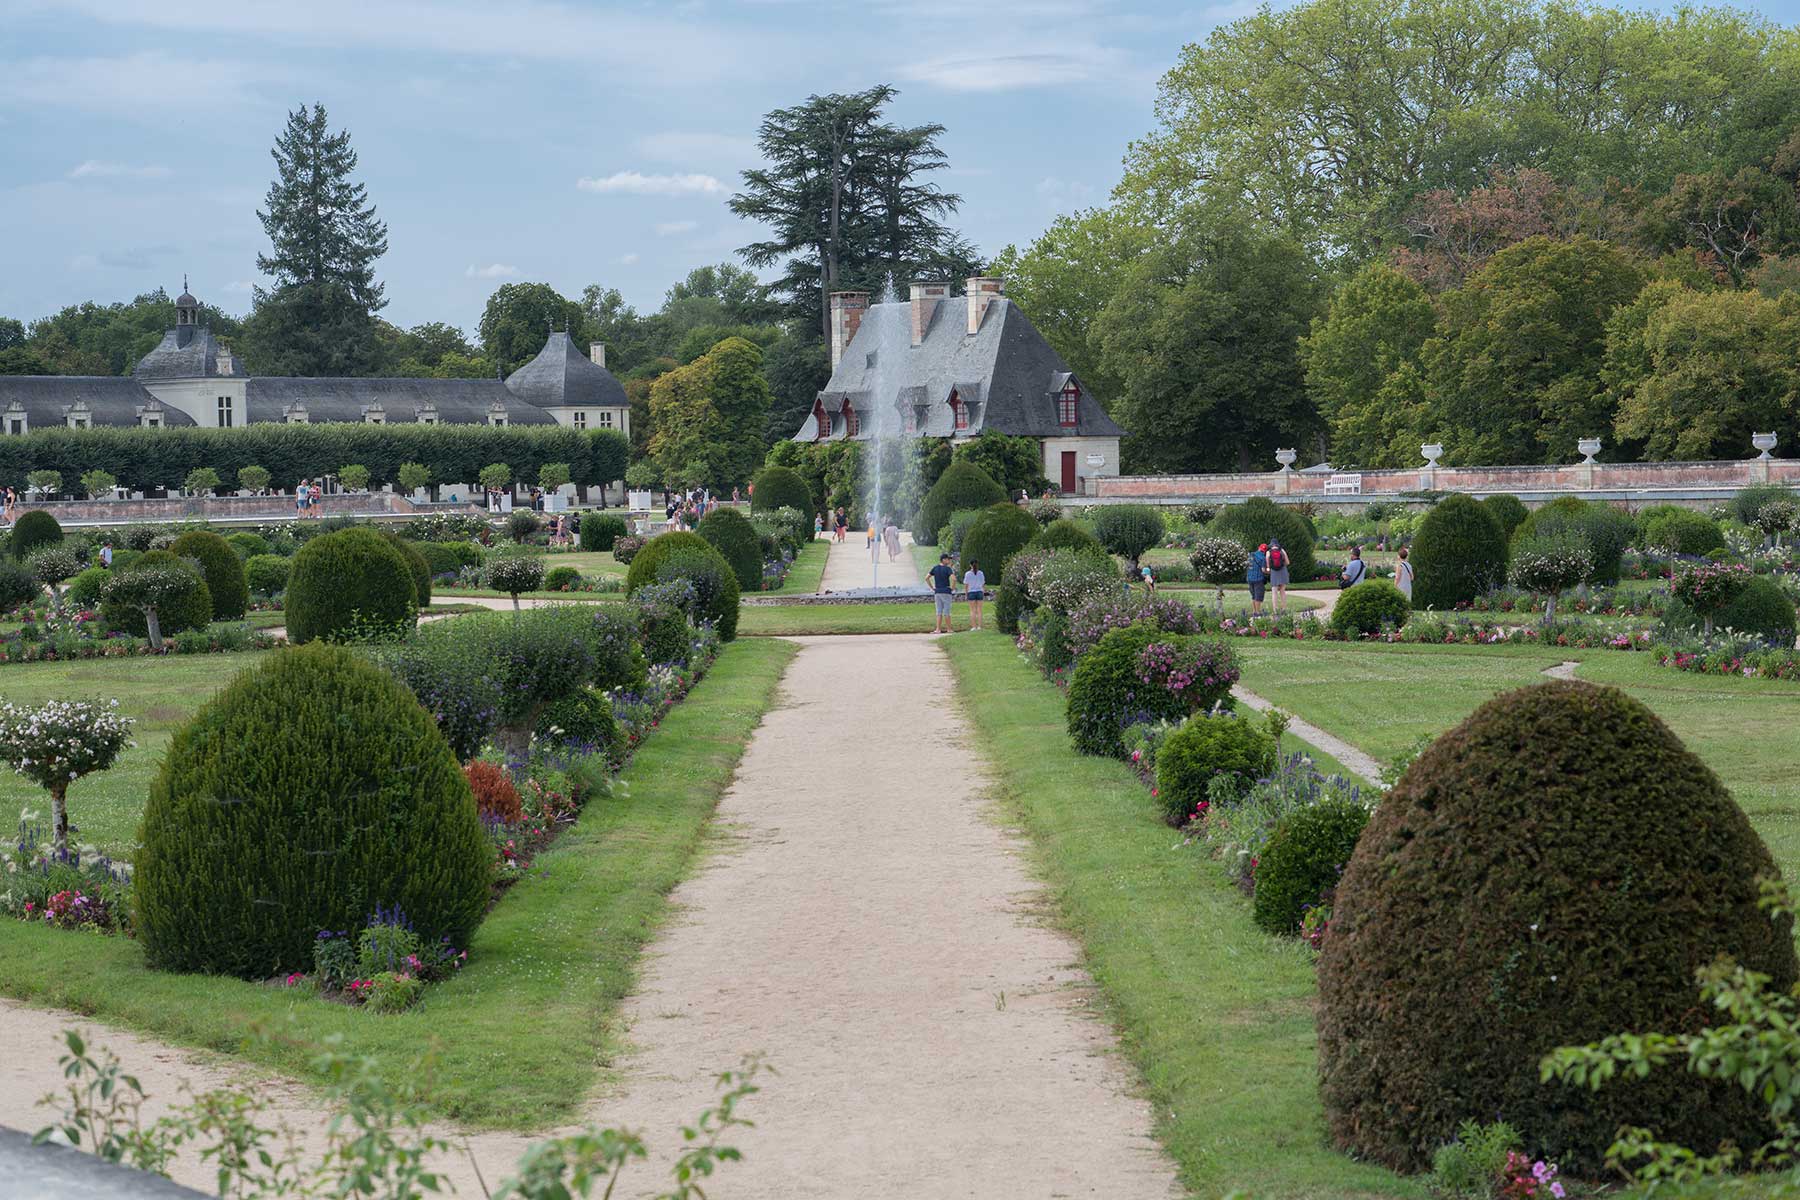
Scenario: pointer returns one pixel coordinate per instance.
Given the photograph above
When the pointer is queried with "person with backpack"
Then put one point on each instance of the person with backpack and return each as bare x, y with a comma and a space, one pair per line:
1403, 575
1257, 576
1354, 571
1278, 575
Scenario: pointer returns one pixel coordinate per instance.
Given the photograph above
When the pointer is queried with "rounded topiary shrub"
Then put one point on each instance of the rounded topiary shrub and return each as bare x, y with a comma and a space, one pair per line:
1552, 871
1303, 858
267, 574
1368, 606
191, 608
1509, 512
562, 579
17, 586
222, 569
583, 720
1258, 520
347, 583
310, 790
714, 583
651, 554
1608, 532
1128, 529
1106, 693
963, 485
248, 545
1063, 533
1001, 531
84, 590
416, 563
780, 487
1761, 610
1458, 554
33, 531
600, 530
734, 537
1206, 747
1671, 530
448, 558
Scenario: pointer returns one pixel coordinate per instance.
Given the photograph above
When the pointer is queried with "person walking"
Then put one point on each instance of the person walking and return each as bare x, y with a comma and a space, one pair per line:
890, 533
106, 554
315, 497
1257, 576
300, 495
943, 592
1278, 576
975, 583
1355, 571
818, 525
843, 524
10, 499
1403, 575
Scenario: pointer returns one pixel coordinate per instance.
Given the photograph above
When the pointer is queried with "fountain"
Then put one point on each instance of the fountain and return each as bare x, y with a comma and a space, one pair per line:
892, 342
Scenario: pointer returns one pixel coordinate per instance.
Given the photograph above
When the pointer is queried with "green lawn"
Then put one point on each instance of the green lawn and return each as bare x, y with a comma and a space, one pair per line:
522, 1034
1216, 1014
808, 569
588, 562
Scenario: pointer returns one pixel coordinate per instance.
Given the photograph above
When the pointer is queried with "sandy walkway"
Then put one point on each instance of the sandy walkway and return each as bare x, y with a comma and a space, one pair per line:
867, 928
847, 567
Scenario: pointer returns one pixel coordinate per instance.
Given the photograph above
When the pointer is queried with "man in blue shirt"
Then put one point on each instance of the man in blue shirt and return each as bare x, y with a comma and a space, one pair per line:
1257, 577
942, 593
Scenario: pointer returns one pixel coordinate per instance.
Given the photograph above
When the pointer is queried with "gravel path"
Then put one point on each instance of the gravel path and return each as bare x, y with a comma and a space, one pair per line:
847, 566
1357, 761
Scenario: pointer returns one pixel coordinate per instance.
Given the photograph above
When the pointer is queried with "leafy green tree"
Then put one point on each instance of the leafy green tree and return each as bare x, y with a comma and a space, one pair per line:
1015, 463
1734, 221
412, 476
610, 454
1203, 333
101, 339
97, 483
1514, 374
324, 240
201, 481
1376, 324
797, 369
47, 482
1694, 374
553, 475
518, 320
709, 416
354, 477
252, 478
495, 475
846, 200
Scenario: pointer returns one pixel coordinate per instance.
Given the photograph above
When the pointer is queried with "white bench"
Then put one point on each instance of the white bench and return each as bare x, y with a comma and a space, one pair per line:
1344, 485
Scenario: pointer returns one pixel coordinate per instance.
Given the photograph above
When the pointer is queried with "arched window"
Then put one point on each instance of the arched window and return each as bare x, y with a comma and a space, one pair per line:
1067, 405
959, 410
850, 425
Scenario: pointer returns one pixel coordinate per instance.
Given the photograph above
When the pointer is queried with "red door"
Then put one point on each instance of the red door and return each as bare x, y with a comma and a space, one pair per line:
1068, 472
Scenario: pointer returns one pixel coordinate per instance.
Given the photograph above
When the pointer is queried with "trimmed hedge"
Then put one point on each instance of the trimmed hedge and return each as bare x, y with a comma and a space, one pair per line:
34, 530
194, 610
1063, 533
781, 487
962, 486
84, 590
1458, 553
1258, 520
1501, 904
222, 569
1368, 606
720, 606
448, 558
561, 579
736, 539
345, 583
1667, 529
310, 790
1303, 858
248, 545
1001, 531
600, 530
1206, 746
267, 574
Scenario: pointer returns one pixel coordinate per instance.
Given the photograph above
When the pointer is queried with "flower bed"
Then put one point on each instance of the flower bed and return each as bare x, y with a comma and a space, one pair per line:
1599, 602
1433, 630
64, 888
1730, 655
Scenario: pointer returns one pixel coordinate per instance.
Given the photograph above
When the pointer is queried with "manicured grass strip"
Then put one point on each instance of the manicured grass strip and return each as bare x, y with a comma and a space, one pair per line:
808, 570
793, 620
520, 1035
1216, 1014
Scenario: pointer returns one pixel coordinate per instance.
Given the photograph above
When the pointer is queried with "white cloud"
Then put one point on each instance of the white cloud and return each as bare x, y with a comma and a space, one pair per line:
628, 259
635, 183
93, 168
491, 271
242, 286
1000, 72
699, 149
134, 84
671, 228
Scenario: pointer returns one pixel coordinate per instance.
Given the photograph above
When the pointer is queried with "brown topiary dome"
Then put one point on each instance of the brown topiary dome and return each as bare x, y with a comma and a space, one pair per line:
1551, 871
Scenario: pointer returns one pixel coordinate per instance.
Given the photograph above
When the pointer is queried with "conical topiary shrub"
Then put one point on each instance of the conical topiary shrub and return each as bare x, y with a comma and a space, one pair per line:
777, 487
1458, 553
308, 791
222, 569
963, 486
1550, 872
733, 536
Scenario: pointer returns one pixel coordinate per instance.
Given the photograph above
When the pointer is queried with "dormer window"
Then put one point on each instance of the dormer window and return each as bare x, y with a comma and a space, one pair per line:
850, 424
1068, 404
17, 421
374, 414
959, 411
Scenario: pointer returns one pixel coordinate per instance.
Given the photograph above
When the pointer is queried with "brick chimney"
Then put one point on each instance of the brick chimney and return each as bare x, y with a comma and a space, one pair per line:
597, 352
847, 309
981, 291
926, 296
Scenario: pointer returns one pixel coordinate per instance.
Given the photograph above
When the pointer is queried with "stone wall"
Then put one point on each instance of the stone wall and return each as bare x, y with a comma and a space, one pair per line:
222, 509
1630, 483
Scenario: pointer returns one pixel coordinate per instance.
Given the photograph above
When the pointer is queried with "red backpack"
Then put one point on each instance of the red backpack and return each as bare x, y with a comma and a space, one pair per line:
1277, 559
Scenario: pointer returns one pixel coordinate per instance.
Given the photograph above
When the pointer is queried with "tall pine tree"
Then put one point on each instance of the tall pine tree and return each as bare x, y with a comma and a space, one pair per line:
324, 238
844, 194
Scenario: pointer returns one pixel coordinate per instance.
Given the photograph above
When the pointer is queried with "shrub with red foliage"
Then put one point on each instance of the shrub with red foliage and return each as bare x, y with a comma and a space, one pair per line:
496, 799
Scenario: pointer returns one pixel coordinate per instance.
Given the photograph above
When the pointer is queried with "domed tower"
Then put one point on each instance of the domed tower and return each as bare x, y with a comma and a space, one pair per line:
190, 371
573, 387
187, 309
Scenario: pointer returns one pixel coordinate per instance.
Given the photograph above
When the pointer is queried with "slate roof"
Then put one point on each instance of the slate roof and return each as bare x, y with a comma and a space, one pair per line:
1006, 371
458, 401
111, 399
561, 376
185, 352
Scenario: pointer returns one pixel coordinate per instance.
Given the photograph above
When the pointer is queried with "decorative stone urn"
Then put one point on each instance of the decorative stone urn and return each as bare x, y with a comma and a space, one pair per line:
1588, 447
1764, 442
1432, 452
1286, 459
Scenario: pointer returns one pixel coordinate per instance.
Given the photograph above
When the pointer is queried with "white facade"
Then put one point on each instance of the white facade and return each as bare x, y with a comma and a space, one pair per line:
214, 403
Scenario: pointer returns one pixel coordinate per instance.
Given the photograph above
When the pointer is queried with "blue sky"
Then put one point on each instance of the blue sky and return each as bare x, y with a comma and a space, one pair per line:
524, 139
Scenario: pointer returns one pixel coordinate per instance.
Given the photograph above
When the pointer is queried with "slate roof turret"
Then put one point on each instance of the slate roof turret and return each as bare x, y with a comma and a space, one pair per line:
561, 376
